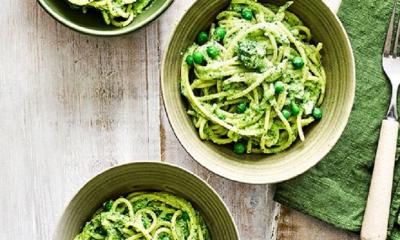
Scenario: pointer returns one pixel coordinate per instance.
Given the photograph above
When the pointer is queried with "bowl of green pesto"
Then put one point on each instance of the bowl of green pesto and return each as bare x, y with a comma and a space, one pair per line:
261, 90
105, 17
146, 201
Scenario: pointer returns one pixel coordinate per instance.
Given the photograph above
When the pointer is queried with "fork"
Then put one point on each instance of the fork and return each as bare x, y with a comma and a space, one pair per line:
376, 216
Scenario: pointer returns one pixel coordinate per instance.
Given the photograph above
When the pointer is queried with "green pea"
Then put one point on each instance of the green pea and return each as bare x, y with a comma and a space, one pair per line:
157, 212
202, 38
279, 87
286, 113
189, 60
247, 13
239, 148
213, 52
220, 33
145, 223
165, 238
241, 107
168, 217
101, 231
185, 216
108, 205
198, 58
221, 116
295, 109
298, 63
317, 113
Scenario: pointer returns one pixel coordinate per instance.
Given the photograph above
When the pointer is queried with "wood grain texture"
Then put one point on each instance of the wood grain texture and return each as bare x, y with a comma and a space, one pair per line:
71, 106
74, 105
297, 226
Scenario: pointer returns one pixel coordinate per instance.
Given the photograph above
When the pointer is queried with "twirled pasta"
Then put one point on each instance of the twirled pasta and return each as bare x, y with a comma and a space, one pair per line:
146, 216
119, 13
255, 79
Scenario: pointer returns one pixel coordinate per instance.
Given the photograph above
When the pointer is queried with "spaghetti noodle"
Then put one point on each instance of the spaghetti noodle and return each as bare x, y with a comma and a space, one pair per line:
119, 13
146, 216
255, 80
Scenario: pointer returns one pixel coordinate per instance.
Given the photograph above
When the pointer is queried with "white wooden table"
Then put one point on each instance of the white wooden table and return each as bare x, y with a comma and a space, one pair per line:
73, 105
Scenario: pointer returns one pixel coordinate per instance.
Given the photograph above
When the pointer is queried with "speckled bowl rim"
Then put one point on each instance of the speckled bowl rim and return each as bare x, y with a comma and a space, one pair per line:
303, 168
156, 165
104, 33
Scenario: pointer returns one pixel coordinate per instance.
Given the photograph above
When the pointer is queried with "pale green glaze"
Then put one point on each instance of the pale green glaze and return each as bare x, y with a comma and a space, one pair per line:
147, 176
337, 58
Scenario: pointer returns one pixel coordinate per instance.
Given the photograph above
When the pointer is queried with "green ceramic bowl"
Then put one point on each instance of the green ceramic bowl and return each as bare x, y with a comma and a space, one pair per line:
148, 176
320, 138
92, 22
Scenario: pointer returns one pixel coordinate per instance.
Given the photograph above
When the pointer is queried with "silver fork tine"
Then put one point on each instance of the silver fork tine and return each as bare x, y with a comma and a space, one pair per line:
389, 36
396, 41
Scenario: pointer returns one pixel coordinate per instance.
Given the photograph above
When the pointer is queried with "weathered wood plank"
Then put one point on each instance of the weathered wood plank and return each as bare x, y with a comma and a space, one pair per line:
297, 226
72, 106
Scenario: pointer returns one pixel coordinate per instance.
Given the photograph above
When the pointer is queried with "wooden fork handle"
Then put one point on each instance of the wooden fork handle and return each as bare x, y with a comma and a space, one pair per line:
376, 214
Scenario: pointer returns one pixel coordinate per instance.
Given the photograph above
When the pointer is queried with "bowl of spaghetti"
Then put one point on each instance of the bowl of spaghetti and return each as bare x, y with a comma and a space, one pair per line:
258, 91
146, 200
106, 17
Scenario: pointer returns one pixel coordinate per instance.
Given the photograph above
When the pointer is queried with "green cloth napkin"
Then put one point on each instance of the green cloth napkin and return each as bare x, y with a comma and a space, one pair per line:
335, 191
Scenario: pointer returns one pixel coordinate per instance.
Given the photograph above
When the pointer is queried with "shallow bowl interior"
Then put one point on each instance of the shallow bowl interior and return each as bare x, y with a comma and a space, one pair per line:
320, 138
153, 176
92, 22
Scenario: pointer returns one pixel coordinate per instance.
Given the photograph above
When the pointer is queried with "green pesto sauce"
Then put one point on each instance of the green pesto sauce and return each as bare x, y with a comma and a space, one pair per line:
265, 84
146, 216
119, 13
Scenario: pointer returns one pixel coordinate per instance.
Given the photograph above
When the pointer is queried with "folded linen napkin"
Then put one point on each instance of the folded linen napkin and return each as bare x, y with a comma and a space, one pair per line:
335, 190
